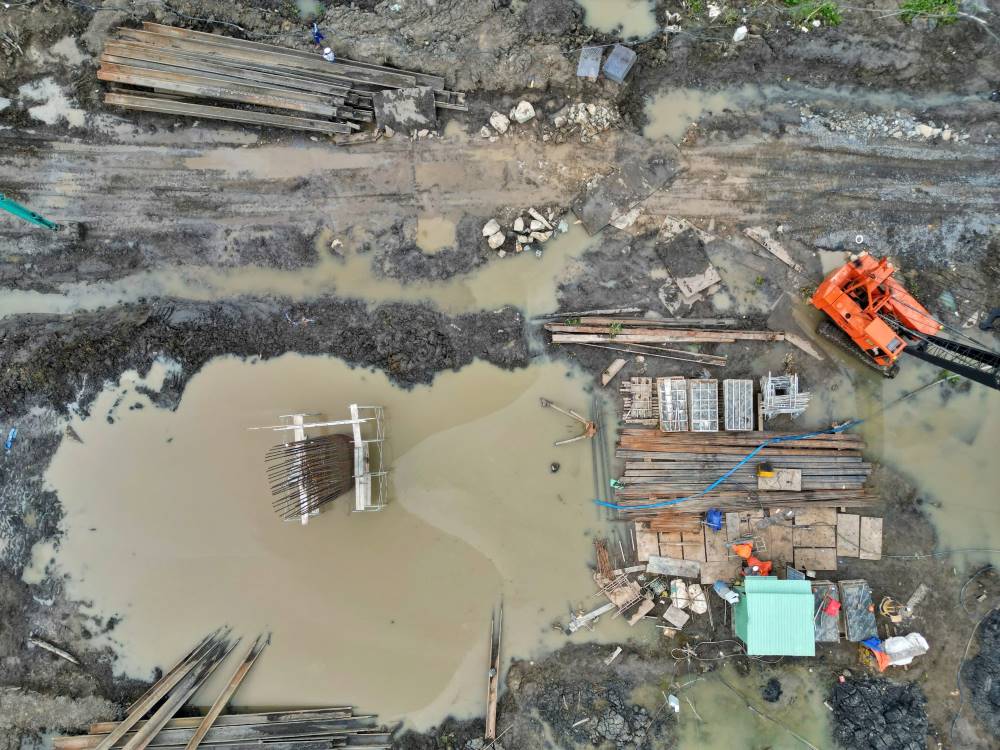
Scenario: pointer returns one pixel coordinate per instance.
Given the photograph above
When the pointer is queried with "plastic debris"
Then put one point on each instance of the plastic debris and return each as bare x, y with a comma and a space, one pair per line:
589, 65
740, 34
619, 63
9, 442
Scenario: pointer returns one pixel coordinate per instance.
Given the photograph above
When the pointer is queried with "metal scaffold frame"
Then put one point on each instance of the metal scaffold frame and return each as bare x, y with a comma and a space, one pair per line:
704, 405
673, 404
738, 404
780, 395
367, 430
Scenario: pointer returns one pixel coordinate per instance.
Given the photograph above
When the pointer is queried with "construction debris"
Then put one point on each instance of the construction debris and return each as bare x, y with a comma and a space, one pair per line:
609, 330
619, 63
612, 370
174, 71
589, 428
589, 65
614, 655
493, 676
46, 646
763, 237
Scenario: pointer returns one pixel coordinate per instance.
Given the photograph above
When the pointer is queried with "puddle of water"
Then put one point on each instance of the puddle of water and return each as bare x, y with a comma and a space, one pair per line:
725, 721
671, 113
635, 18
169, 524
435, 233
56, 105
525, 281
830, 260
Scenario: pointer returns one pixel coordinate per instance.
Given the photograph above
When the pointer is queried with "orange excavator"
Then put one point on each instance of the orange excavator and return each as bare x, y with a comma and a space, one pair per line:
874, 313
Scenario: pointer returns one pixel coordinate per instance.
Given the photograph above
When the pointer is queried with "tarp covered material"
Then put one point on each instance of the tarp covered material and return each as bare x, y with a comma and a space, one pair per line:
775, 617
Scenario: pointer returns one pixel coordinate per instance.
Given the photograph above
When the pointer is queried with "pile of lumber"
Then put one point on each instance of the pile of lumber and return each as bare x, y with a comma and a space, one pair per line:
182, 72
151, 719
663, 466
604, 329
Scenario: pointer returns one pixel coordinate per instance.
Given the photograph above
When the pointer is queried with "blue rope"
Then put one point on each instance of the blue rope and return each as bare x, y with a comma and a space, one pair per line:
724, 477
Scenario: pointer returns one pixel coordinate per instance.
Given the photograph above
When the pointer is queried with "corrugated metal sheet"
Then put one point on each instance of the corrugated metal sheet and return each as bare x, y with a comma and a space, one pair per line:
775, 617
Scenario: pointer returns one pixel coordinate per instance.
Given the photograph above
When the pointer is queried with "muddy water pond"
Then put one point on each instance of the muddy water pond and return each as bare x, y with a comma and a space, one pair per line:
169, 524
525, 280
632, 18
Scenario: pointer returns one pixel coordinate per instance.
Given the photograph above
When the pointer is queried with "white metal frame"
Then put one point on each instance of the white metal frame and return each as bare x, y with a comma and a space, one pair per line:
737, 396
673, 404
368, 428
703, 405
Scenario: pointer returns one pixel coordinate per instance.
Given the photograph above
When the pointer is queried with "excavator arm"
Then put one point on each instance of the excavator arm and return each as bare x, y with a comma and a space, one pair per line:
970, 362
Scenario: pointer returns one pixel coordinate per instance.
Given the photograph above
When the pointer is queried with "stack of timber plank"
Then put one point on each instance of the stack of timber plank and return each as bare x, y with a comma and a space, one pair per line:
661, 466
151, 721
601, 329
177, 71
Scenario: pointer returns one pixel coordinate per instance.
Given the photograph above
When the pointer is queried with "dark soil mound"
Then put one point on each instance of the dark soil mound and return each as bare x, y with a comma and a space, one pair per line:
981, 674
876, 714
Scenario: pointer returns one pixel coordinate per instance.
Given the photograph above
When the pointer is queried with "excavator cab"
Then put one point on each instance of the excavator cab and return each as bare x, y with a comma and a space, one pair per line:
874, 313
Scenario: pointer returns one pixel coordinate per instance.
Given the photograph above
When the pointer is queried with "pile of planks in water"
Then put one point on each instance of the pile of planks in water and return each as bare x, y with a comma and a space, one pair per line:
151, 721
669, 465
605, 330
177, 71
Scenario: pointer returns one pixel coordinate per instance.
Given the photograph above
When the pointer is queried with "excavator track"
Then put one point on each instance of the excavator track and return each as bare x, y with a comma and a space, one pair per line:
829, 331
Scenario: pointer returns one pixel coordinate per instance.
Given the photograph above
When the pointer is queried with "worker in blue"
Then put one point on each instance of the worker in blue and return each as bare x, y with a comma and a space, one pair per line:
317, 34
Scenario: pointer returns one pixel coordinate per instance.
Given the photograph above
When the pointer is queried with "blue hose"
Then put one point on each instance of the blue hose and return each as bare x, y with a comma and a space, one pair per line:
724, 477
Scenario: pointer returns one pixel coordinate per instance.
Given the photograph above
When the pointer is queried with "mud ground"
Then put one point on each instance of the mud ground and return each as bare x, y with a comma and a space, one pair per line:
813, 160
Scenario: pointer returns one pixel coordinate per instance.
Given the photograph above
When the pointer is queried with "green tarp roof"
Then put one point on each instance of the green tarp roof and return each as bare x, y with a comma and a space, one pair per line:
775, 617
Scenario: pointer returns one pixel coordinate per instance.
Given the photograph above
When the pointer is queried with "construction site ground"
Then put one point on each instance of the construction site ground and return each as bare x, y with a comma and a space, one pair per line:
186, 242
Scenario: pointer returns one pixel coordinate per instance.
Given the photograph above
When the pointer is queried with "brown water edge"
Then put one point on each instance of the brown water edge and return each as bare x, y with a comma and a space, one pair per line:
943, 438
169, 524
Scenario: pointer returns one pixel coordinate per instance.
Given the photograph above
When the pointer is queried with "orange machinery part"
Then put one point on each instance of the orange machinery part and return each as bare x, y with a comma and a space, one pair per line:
857, 293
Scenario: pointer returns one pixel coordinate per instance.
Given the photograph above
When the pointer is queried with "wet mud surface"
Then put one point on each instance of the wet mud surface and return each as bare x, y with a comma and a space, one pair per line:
804, 151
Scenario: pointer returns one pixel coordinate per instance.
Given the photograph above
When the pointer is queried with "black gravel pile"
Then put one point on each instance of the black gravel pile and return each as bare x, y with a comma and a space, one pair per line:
876, 714
981, 674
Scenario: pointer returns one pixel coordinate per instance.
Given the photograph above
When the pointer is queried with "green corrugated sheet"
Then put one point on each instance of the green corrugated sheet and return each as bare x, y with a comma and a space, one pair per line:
775, 617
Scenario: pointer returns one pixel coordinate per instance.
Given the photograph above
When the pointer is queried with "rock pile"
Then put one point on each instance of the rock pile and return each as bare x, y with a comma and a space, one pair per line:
533, 229
879, 714
522, 113
899, 125
589, 119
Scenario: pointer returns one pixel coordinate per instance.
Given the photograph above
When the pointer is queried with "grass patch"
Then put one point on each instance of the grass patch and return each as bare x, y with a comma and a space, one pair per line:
804, 11
696, 6
615, 329
942, 11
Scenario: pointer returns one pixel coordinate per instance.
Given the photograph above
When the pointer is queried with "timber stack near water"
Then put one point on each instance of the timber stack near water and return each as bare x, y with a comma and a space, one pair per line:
177, 71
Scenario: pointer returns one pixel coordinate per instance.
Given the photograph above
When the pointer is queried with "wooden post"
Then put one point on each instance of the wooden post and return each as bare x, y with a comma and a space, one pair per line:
493, 683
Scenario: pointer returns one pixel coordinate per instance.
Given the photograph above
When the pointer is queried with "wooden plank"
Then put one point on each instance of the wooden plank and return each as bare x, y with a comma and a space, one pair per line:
784, 480
644, 608
336, 712
732, 527
816, 558
493, 677
147, 103
227, 692
672, 566
779, 544
720, 570
208, 88
816, 517
814, 536
378, 74
646, 542
223, 47
631, 338
848, 534
671, 544
613, 369
870, 546
694, 545
716, 546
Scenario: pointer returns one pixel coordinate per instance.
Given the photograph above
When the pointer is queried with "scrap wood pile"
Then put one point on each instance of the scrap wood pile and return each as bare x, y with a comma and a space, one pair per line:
665, 466
182, 72
151, 719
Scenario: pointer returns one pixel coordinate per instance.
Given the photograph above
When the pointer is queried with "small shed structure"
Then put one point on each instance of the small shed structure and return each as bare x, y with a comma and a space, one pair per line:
775, 617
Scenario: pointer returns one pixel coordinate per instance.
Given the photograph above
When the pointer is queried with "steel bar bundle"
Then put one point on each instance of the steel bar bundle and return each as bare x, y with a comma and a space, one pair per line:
178, 71
307, 474
151, 721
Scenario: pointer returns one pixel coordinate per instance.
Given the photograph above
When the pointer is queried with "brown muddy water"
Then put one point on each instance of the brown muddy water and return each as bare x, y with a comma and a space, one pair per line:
525, 280
633, 18
169, 524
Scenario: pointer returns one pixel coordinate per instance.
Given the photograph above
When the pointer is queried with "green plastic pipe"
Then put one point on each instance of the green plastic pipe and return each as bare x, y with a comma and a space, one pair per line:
22, 212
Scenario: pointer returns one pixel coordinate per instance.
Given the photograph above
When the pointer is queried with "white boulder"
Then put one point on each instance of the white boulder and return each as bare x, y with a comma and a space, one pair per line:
496, 240
500, 122
523, 112
491, 227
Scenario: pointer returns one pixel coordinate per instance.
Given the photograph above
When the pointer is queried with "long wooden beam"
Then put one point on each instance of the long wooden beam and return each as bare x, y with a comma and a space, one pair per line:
148, 103
272, 717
